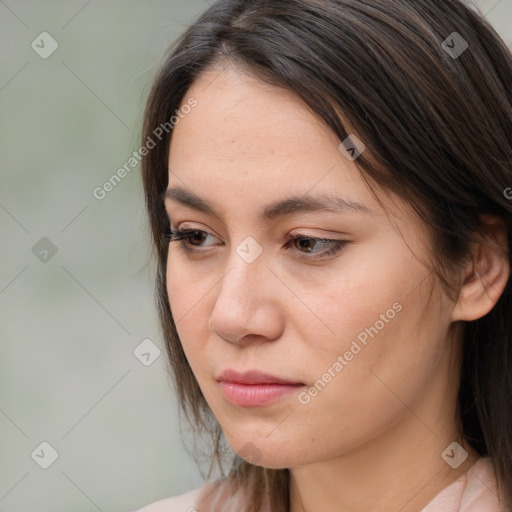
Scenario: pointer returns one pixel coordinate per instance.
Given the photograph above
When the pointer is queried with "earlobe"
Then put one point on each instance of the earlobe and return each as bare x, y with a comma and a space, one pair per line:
486, 275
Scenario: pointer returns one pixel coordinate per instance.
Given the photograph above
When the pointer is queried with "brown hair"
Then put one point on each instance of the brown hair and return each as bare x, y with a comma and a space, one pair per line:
439, 125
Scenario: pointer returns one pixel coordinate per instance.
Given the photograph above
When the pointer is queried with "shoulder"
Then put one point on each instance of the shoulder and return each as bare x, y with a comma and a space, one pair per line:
187, 502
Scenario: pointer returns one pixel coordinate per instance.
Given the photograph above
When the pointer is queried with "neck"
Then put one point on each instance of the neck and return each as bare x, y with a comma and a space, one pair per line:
388, 477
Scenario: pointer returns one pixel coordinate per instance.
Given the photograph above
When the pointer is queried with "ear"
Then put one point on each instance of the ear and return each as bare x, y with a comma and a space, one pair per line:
486, 276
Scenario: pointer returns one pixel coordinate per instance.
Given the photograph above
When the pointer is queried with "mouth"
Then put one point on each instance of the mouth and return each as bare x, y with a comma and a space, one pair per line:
254, 388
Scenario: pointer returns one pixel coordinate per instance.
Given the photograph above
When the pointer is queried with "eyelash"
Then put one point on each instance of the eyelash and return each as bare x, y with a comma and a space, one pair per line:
185, 234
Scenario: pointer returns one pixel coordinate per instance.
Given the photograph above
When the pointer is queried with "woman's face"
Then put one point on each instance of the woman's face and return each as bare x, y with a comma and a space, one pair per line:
355, 327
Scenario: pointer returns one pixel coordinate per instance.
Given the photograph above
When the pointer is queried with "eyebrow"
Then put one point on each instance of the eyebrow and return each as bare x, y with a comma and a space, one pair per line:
291, 205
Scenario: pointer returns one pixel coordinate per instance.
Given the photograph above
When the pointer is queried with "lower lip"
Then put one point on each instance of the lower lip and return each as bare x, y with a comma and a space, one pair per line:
254, 395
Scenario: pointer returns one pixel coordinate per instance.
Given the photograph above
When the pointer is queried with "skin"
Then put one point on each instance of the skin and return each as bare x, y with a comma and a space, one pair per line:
372, 438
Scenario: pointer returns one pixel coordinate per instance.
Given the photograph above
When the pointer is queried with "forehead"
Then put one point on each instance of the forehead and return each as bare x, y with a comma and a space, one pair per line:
238, 115
247, 143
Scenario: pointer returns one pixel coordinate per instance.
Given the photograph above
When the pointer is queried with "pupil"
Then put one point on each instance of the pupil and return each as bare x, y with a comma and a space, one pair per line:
305, 243
197, 236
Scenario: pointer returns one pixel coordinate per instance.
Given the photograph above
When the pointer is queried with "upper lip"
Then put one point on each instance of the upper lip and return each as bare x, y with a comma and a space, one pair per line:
253, 377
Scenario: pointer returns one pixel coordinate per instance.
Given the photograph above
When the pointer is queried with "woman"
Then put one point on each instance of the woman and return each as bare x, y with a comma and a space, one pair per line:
330, 203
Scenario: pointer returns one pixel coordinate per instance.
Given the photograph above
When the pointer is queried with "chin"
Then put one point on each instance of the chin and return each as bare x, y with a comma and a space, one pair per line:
273, 454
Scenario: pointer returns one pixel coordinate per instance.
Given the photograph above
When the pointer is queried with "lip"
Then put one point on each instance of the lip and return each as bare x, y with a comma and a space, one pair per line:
254, 377
254, 388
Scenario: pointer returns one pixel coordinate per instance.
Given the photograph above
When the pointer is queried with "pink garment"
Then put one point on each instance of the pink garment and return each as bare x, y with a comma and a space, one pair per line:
473, 491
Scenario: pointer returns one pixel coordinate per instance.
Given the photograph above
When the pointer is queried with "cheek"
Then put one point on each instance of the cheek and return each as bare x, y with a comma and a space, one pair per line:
360, 301
386, 348
186, 286
374, 323
187, 303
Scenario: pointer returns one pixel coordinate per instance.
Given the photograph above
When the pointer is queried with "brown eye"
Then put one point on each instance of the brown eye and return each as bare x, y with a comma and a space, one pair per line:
197, 236
309, 243
305, 243
189, 239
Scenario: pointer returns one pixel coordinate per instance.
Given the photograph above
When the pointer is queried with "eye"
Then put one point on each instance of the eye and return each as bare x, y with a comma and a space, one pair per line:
308, 243
186, 236
191, 241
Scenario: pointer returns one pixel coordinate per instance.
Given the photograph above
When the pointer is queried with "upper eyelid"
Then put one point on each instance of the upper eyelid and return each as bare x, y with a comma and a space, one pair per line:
317, 237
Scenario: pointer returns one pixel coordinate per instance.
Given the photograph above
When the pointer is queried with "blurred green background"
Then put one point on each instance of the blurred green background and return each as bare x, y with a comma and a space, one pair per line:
76, 279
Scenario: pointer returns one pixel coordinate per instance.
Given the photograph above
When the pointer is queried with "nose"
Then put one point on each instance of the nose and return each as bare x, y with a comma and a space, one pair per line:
248, 305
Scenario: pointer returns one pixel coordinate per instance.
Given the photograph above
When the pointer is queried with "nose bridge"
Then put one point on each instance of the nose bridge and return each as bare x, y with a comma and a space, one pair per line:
246, 268
242, 294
